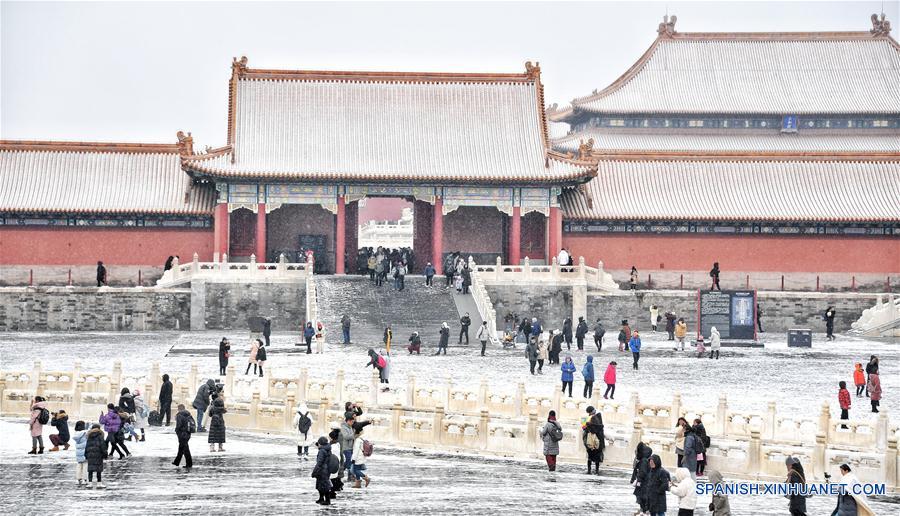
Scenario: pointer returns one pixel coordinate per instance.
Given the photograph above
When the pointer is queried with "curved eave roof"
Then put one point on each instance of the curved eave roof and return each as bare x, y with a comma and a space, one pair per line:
762, 73
732, 189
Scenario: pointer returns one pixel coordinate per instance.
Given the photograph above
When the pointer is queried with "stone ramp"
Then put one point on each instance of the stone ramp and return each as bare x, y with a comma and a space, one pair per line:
416, 308
465, 303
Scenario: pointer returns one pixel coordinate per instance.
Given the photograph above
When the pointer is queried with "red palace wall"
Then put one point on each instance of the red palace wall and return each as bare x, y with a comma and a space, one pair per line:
113, 246
738, 253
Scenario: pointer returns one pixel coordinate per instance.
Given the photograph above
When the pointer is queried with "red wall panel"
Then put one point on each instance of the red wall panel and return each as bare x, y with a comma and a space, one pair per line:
86, 246
738, 253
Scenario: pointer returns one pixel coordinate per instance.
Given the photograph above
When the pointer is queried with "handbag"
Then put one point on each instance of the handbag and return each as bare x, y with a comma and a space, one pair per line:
701, 456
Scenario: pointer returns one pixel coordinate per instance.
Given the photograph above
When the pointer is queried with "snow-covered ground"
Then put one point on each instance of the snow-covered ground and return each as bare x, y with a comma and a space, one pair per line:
797, 379
260, 474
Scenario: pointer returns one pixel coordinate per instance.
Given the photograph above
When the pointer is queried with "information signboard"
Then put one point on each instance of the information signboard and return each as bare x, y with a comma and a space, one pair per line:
732, 312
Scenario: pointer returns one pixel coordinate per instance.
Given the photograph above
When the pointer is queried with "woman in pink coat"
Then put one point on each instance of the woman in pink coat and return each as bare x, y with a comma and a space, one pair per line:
251, 360
874, 391
37, 428
609, 378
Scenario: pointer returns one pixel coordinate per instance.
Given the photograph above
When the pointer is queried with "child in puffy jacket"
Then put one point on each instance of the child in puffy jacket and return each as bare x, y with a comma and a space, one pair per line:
859, 379
609, 378
701, 346
80, 439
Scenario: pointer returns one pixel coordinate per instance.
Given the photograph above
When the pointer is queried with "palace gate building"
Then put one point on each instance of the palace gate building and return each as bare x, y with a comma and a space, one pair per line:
762, 151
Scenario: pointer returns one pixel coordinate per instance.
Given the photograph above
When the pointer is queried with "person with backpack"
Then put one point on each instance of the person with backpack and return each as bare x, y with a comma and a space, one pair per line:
40, 416
599, 332
568, 374
377, 362
112, 423
217, 429
184, 427
165, 400
141, 413
551, 433
609, 378
580, 333
483, 336
322, 471
60, 421
587, 371
95, 454
303, 423
361, 450
594, 441
80, 439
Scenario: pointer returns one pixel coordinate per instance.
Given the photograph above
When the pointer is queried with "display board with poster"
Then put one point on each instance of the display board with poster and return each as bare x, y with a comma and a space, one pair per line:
732, 312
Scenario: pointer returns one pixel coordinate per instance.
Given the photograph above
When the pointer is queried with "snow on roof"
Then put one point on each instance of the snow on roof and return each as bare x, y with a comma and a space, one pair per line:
738, 189
97, 177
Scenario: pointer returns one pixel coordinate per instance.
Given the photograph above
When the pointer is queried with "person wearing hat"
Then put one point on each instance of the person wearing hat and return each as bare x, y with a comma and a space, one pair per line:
429, 275
60, 420
320, 471
303, 422
551, 434
593, 440
609, 378
635, 345
95, 454
556, 346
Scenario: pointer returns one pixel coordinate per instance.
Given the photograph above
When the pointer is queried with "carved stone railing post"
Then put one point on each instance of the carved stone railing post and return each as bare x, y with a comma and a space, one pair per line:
771, 420
554, 269
289, 406
254, 409
176, 270
35, 376
819, 455
581, 269
754, 454
374, 387
76, 373
115, 382
281, 268
557, 401
722, 415
637, 434
634, 405
229, 380
520, 398
449, 393
411, 391
531, 431
483, 396
890, 463
438, 424
825, 420
2, 395
395, 422
302, 384
184, 398
195, 264
882, 429
324, 403
339, 387
483, 429
676, 408
526, 268
76, 396
497, 269
192, 377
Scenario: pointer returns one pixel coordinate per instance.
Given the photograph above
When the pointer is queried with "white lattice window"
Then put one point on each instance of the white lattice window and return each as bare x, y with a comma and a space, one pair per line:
879, 123
695, 123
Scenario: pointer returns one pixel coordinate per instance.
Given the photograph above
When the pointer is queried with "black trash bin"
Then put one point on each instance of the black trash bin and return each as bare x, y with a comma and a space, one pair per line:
799, 338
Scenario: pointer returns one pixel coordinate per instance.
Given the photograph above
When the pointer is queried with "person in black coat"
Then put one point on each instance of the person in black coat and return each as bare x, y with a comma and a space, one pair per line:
594, 427
165, 400
267, 329
580, 332
101, 274
567, 332
321, 473
201, 401
829, 323
640, 470
797, 503
126, 401
261, 356
714, 274
656, 486
217, 424
467, 278
95, 453
60, 421
183, 422
224, 355
445, 339
555, 347
464, 323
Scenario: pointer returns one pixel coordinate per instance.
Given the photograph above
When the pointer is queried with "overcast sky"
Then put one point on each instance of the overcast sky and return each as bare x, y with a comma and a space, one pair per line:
142, 71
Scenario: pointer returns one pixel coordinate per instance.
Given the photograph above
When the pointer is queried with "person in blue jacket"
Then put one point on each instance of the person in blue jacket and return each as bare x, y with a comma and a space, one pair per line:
429, 275
535, 329
635, 345
568, 372
588, 373
308, 333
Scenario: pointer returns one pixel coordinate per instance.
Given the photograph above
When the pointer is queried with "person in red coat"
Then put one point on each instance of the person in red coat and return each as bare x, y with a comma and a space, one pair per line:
844, 401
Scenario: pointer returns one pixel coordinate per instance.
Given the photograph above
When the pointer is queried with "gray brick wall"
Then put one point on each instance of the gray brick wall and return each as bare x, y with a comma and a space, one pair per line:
92, 309
549, 304
227, 306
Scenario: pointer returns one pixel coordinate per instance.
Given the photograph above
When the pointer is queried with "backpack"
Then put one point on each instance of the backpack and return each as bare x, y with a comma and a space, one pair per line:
706, 441
44, 417
333, 464
145, 411
592, 442
154, 419
367, 448
381, 362
556, 433
192, 425
305, 423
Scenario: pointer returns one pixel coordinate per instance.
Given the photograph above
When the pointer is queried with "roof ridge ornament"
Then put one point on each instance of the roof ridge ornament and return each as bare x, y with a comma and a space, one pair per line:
585, 148
533, 70
185, 143
239, 66
666, 29
880, 26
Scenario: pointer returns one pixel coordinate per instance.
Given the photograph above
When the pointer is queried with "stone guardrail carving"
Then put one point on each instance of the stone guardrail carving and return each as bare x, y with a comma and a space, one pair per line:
184, 273
580, 274
506, 422
883, 319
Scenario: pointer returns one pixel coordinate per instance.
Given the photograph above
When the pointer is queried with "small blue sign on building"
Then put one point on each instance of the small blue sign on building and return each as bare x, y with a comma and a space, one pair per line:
789, 124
